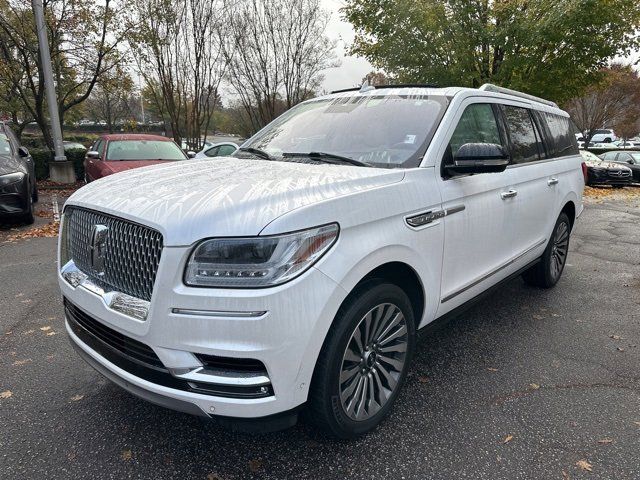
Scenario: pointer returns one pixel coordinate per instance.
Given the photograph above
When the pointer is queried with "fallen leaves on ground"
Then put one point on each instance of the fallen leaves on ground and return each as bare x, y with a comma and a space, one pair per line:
49, 334
538, 317
76, 398
584, 465
609, 193
491, 369
126, 455
534, 386
605, 441
19, 363
423, 378
6, 394
620, 349
637, 423
45, 329
565, 475
616, 337
49, 230
59, 189
44, 213
507, 439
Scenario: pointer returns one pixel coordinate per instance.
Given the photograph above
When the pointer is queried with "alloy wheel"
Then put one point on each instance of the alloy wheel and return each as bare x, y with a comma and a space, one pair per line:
559, 249
373, 361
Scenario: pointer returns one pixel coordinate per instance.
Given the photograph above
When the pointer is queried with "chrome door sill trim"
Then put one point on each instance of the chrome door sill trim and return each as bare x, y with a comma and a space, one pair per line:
218, 313
493, 272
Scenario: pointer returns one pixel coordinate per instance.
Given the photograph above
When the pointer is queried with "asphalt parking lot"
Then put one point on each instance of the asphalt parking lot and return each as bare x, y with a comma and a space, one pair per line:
528, 384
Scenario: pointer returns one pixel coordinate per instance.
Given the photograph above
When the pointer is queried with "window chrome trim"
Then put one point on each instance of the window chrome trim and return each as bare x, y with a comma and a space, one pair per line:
493, 272
123, 303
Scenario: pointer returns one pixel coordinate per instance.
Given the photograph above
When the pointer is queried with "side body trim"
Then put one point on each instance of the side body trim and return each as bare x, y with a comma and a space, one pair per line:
425, 218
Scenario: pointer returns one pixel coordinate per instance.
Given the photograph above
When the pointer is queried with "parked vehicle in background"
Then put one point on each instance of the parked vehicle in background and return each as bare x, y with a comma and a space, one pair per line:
626, 144
603, 136
18, 188
629, 159
73, 146
298, 273
601, 172
222, 149
116, 153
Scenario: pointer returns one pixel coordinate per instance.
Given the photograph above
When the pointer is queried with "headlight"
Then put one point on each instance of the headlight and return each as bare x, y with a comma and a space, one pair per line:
11, 178
258, 261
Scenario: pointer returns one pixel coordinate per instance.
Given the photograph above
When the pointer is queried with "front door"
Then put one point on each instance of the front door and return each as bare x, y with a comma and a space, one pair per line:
480, 212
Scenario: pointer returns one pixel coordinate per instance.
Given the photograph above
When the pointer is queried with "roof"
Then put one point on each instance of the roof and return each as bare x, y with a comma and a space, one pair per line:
134, 136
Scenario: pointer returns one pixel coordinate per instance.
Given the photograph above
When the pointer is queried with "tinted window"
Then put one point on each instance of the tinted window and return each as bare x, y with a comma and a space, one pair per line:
212, 152
5, 145
226, 150
143, 150
609, 156
477, 125
524, 138
561, 140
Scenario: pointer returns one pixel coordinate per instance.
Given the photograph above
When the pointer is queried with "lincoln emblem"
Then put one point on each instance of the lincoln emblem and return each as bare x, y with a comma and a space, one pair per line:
98, 247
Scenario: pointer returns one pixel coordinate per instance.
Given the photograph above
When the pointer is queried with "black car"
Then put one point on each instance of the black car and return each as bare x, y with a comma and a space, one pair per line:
600, 172
628, 158
18, 190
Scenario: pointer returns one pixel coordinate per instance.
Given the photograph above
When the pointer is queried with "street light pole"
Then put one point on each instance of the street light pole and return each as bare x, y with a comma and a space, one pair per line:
60, 170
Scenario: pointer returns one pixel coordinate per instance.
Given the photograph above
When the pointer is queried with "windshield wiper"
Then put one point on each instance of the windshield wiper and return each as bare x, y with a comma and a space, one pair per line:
257, 152
329, 158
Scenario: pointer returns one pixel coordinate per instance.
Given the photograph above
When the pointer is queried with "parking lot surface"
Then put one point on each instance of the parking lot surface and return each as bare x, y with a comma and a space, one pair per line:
528, 384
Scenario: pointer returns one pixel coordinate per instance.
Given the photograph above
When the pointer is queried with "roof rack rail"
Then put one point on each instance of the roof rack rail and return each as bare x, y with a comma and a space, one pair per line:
488, 87
401, 85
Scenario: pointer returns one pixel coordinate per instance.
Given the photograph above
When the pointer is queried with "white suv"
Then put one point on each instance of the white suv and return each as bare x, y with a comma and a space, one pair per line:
297, 272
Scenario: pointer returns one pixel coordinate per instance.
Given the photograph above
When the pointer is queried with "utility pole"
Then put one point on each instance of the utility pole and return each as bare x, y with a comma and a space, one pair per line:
60, 170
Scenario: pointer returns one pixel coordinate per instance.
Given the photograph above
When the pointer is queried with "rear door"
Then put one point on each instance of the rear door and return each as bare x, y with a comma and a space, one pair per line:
478, 211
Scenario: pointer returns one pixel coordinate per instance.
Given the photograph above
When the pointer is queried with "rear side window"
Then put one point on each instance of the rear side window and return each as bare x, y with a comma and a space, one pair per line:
525, 140
477, 125
561, 139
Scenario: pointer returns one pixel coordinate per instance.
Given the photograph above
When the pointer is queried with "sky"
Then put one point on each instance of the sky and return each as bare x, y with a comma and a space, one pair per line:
352, 69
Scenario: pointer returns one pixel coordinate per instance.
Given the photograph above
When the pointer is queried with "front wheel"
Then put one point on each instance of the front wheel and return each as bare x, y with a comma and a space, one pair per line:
364, 361
547, 272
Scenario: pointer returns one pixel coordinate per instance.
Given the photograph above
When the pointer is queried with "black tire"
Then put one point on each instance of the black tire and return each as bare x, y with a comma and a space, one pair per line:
325, 407
28, 217
34, 194
544, 274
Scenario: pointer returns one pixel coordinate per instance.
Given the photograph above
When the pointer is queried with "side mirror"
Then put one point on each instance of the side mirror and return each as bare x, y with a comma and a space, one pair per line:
191, 154
23, 152
479, 158
93, 155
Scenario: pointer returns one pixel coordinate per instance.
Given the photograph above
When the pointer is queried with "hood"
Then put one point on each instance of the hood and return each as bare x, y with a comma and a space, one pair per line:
190, 200
10, 164
122, 165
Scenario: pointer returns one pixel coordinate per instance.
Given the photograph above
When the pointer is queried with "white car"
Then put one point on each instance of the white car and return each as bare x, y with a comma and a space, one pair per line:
222, 149
603, 136
297, 274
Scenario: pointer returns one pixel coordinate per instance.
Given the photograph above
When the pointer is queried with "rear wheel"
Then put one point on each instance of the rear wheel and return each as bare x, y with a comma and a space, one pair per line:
548, 270
364, 361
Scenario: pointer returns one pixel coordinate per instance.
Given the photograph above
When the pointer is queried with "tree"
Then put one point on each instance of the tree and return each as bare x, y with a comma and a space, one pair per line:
276, 51
177, 45
612, 103
111, 98
554, 49
83, 38
375, 78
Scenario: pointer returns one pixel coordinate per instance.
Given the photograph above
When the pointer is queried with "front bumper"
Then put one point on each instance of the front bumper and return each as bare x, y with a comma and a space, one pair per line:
14, 198
286, 338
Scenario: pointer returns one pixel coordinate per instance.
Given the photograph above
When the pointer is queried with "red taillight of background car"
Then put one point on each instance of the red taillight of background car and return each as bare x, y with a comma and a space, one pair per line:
585, 172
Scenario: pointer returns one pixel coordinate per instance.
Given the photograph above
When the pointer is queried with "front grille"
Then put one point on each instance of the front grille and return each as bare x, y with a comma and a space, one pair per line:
132, 251
113, 339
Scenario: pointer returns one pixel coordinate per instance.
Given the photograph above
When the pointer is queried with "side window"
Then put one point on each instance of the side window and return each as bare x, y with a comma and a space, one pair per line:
12, 138
477, 125
212, 152
525, 141
226, 150
562, 140
609, 156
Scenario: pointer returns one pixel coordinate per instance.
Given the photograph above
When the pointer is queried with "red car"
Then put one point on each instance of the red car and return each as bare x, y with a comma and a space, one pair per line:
117, 153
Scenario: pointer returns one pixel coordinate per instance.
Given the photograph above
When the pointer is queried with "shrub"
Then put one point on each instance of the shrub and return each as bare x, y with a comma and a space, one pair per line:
42, 157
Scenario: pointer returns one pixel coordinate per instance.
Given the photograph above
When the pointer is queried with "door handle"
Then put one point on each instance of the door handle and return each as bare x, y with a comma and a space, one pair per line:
509, 194
552, 181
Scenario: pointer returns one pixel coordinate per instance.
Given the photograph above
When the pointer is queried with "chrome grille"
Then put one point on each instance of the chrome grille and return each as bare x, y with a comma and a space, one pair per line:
132, 251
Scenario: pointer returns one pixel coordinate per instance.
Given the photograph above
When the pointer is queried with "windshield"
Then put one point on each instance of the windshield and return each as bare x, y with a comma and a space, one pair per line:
5, 146
144, 150
381, 130
590, 156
